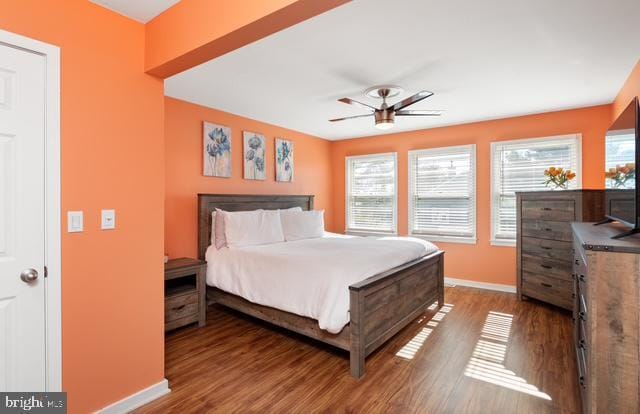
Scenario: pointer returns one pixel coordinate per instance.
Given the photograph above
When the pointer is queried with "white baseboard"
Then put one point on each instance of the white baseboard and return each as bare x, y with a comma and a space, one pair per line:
138, 399
480, 285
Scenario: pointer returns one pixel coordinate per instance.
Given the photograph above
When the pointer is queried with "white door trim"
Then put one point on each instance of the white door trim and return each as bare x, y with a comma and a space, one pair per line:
53, 283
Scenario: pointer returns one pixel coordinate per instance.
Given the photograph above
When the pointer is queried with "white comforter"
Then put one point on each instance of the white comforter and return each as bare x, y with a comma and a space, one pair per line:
309, 277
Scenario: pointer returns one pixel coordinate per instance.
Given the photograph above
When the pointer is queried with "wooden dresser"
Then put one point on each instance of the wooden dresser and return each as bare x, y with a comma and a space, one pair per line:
544, 241
606, 315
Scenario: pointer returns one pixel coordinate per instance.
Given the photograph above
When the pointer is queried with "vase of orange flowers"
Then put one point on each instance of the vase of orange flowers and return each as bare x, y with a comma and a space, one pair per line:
558, 178
621, 175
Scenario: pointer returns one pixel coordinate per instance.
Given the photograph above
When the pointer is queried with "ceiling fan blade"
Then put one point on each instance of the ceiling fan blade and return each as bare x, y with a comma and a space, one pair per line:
411, 100
420, 113
357, 103
349, 117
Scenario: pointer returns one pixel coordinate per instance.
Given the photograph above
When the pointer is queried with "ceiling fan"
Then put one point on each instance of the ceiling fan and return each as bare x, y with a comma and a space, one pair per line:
385, 115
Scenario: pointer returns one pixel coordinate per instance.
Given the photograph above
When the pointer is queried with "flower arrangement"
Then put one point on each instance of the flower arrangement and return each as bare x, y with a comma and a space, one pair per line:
558, 177
621, 174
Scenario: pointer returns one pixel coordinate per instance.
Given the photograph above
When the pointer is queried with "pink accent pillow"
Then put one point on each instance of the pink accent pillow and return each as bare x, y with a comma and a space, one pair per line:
221, 239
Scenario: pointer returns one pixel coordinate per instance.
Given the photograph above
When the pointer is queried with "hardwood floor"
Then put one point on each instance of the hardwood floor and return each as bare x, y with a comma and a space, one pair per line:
484, 352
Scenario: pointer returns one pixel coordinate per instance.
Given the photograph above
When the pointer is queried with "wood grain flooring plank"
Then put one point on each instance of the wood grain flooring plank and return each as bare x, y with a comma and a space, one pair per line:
484, 352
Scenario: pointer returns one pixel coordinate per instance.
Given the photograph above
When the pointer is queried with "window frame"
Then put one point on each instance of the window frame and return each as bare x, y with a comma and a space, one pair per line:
364, 232
474, 187
578, 139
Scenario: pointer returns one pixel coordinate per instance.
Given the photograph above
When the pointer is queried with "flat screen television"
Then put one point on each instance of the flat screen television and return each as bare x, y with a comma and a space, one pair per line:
622, 201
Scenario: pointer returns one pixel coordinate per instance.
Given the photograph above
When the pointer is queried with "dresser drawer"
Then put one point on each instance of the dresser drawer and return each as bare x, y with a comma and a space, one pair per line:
548, 289
560, 269
550, 249
553, 210
546, 229
180, 306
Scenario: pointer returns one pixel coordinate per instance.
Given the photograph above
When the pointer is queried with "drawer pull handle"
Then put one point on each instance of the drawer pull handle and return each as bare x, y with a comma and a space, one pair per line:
548, 229
545, 285
546, 247
546, 208
177, 308
546, 266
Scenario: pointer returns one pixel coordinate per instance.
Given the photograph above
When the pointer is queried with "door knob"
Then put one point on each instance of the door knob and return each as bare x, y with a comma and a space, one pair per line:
29, 275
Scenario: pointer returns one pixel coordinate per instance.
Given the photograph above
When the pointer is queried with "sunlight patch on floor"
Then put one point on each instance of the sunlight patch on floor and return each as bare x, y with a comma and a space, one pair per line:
487, 361
413, 346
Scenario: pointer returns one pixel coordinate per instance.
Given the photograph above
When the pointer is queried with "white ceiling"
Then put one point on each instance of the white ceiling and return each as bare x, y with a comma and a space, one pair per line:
484, 60
140, 10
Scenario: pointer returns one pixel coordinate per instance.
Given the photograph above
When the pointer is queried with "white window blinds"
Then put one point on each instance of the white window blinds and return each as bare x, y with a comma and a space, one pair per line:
620, 150
519, 166
371, 193
442, 200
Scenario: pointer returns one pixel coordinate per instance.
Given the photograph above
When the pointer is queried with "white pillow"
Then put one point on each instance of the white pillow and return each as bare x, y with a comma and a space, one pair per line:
250, 228
297, 225
222, 242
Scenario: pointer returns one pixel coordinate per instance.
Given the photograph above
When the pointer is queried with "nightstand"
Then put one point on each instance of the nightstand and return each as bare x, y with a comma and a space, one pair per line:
184, 293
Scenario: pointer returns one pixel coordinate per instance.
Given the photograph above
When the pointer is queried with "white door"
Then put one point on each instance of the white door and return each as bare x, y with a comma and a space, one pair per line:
22, 220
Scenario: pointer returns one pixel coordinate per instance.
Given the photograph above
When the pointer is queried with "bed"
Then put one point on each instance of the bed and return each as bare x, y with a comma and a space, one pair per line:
378, 306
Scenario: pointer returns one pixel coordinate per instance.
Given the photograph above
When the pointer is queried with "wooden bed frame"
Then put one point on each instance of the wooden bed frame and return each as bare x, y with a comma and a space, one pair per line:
380, 306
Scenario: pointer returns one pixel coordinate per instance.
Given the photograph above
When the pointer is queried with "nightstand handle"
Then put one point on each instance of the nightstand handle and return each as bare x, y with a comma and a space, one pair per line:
179, 308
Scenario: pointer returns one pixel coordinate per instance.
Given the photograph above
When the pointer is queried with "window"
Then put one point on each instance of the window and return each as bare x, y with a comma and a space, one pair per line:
519, 166
442, 199
371, 194
620, 150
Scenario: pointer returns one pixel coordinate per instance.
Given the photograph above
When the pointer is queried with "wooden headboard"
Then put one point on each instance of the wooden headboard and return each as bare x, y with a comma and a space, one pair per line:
208, 203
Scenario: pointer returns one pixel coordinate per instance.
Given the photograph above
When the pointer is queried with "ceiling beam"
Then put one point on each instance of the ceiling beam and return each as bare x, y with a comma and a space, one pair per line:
195, 31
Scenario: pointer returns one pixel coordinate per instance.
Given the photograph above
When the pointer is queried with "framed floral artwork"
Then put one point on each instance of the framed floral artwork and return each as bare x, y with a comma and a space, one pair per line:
284, 160
254, 156
217, 150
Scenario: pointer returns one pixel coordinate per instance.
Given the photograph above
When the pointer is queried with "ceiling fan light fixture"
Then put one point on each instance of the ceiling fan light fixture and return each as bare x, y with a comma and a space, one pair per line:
384, 119
384, 125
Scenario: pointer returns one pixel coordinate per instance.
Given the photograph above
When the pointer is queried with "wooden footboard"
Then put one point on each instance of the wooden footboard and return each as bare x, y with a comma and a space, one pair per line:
384, 304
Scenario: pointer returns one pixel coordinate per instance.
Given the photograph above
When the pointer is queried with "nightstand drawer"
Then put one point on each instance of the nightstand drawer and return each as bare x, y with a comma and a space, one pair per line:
180, 306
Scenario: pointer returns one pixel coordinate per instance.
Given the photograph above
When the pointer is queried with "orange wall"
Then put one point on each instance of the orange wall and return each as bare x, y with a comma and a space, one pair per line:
630, 89
481, 262
184, 179
112, 157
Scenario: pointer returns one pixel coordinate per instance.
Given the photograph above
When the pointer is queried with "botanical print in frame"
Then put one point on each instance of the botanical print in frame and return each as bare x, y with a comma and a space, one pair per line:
284, 160
254, 160
217, 150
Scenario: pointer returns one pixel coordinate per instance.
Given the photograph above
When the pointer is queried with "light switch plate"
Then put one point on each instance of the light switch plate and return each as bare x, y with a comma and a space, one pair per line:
75, 221
108, 219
